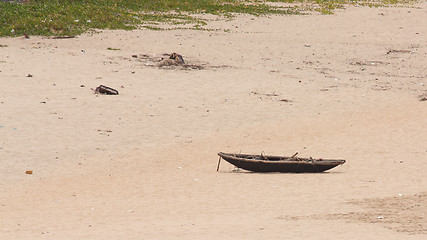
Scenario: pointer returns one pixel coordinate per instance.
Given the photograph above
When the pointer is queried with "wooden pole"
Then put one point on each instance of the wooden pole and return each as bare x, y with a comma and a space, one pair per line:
219, 161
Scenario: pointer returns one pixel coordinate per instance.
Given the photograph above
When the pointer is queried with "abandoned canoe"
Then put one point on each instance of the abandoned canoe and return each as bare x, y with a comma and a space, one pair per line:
261, 163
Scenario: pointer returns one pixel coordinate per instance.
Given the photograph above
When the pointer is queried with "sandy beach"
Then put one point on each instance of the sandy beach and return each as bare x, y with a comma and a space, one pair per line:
142, 164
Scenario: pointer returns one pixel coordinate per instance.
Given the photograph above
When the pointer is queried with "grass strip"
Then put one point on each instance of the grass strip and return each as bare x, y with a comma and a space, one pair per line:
73, 17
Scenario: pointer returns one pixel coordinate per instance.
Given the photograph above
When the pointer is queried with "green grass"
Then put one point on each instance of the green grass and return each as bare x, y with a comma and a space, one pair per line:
73, 17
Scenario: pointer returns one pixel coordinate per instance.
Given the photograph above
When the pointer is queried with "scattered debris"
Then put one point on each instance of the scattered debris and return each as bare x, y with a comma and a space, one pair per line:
106, 90
399, 51
29, 75
28, 172
265, 94
63, 37
272, 96
104, 132
169, 61
382, 86
368, 63
423, 97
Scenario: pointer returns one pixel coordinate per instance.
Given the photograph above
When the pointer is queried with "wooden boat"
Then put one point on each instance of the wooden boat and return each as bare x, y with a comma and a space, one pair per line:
262, 163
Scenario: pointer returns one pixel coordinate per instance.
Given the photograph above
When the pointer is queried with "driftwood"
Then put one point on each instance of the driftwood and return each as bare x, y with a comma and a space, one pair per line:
178, 58
174, 60
106, 90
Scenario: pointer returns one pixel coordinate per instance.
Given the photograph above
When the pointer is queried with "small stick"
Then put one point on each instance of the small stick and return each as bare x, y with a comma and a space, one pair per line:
294, 155
219, 161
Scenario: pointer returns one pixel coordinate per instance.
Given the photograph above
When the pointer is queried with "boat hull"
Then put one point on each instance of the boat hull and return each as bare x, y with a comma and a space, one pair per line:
258, 163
